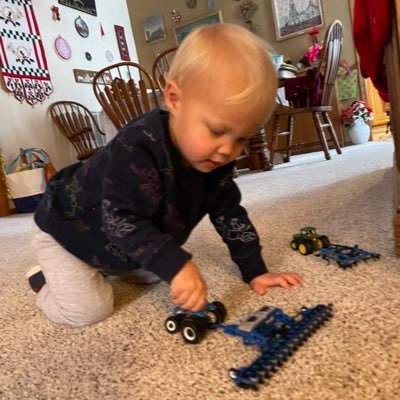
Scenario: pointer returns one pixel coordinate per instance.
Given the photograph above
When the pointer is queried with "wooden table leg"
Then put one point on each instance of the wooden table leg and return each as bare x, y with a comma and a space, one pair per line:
259, 153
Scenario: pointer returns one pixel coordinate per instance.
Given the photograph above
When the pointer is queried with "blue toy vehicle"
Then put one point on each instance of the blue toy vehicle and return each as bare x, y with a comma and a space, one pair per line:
194, 325
277, 335
345, 256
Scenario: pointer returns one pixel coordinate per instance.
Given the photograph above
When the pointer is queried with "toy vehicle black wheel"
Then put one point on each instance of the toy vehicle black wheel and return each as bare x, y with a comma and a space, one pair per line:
193, 331
218, 315
293, 245
172, 324
233, 373
305, 248
325, 240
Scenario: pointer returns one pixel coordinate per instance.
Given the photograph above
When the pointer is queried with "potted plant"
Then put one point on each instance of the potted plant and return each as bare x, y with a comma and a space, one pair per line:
354, 118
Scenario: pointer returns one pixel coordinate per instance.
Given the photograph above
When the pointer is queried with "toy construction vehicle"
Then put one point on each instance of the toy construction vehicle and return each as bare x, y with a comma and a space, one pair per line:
194, 325
308, 241
345, 256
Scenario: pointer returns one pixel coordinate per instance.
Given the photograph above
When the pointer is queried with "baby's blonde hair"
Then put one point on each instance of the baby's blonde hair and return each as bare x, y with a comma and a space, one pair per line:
224, 48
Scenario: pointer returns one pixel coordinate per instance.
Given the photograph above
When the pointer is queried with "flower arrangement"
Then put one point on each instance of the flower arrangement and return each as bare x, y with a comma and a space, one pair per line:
312, 55
357, 110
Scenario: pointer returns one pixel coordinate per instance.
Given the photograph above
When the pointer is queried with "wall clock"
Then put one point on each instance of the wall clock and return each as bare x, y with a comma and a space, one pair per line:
63, 49
81, 27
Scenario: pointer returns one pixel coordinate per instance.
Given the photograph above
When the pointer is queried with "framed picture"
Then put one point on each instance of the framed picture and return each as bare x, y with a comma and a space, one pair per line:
154, 30
87, 6
182, 30
294, 17
87, 76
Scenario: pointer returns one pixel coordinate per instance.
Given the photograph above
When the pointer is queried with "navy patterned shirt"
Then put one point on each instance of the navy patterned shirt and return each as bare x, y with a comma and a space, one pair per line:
134, 204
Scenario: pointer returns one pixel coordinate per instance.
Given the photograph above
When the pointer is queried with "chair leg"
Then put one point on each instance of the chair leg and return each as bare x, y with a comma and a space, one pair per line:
321, 134
274, 142
289, 137
332, 132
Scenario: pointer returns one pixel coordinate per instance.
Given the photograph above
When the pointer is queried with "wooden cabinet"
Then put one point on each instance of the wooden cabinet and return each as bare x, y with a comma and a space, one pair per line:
379, 107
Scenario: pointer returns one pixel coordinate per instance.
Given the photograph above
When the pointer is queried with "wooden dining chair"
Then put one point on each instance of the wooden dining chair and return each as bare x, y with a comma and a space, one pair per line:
78, 125
319, 105
161, 65
125, 90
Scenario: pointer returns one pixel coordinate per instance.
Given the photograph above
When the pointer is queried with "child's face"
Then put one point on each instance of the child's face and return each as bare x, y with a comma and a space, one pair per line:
208, 133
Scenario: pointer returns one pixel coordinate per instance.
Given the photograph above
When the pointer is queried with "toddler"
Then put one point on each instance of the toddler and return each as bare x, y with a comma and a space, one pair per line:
133, 204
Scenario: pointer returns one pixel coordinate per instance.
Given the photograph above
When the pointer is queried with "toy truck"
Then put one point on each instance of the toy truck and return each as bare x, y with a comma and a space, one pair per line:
194, 325
308, 240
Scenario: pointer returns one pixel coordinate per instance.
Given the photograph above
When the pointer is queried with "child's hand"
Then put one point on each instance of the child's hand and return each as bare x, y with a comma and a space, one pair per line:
188, 289
261, 283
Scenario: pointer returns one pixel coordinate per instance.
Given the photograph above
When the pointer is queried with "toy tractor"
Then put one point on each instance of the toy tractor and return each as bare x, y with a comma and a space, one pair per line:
308, 241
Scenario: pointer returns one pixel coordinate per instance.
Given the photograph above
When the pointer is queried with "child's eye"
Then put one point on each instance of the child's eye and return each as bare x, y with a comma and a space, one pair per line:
216, 132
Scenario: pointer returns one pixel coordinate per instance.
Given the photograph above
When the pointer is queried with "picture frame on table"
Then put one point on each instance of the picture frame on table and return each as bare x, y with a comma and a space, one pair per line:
154, 29
86, 6
295, 17
183, 29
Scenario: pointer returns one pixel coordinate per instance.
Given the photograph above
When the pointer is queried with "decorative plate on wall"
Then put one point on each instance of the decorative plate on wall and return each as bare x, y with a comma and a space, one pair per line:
81, 27
63, 49
109, 56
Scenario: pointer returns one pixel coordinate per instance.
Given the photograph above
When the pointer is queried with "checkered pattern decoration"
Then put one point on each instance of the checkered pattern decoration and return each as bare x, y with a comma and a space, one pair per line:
22, 57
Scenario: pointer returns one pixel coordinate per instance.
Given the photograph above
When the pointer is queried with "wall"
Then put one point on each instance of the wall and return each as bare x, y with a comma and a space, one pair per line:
263, 22
26, 126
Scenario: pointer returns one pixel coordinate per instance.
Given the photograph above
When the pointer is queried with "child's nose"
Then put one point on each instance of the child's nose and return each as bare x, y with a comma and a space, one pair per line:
226, 148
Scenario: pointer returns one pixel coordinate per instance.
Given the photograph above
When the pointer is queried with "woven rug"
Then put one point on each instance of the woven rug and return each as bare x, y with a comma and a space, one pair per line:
22, 57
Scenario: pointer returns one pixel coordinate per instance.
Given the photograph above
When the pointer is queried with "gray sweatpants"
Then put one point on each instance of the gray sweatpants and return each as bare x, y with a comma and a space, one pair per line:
75, 293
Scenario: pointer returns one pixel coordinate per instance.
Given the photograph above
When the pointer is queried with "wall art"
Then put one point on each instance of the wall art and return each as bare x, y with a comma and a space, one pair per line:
23, 60
87, 6
81, 27
122, 44
182, 30
87, 76
154, 30
294, 17
62, 47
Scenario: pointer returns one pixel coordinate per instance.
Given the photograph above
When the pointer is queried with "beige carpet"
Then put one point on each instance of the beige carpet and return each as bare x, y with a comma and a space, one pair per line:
130, 356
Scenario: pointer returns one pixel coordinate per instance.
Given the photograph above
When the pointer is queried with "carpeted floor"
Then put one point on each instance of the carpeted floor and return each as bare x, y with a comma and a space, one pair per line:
130, 356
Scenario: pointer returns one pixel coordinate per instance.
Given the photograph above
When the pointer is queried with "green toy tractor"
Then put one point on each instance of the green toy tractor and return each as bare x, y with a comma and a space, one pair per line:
308, 240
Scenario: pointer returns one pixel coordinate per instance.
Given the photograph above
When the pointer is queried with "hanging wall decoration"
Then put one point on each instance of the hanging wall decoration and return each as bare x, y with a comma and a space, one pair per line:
81, 27
22, 57
56, 13
347, 80
154, 30
211, 4
62, 47
87, 6
122, 44
176, 16
191, 3
109, 56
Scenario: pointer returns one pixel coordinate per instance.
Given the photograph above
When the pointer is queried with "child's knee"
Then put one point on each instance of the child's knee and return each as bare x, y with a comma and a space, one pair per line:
79, 312
90, 314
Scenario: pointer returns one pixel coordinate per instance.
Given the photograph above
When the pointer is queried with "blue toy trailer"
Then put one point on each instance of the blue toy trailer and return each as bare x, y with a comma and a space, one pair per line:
277, 335
345, 256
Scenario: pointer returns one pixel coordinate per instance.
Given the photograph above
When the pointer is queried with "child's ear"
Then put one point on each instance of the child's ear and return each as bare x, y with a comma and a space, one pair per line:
172, 95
